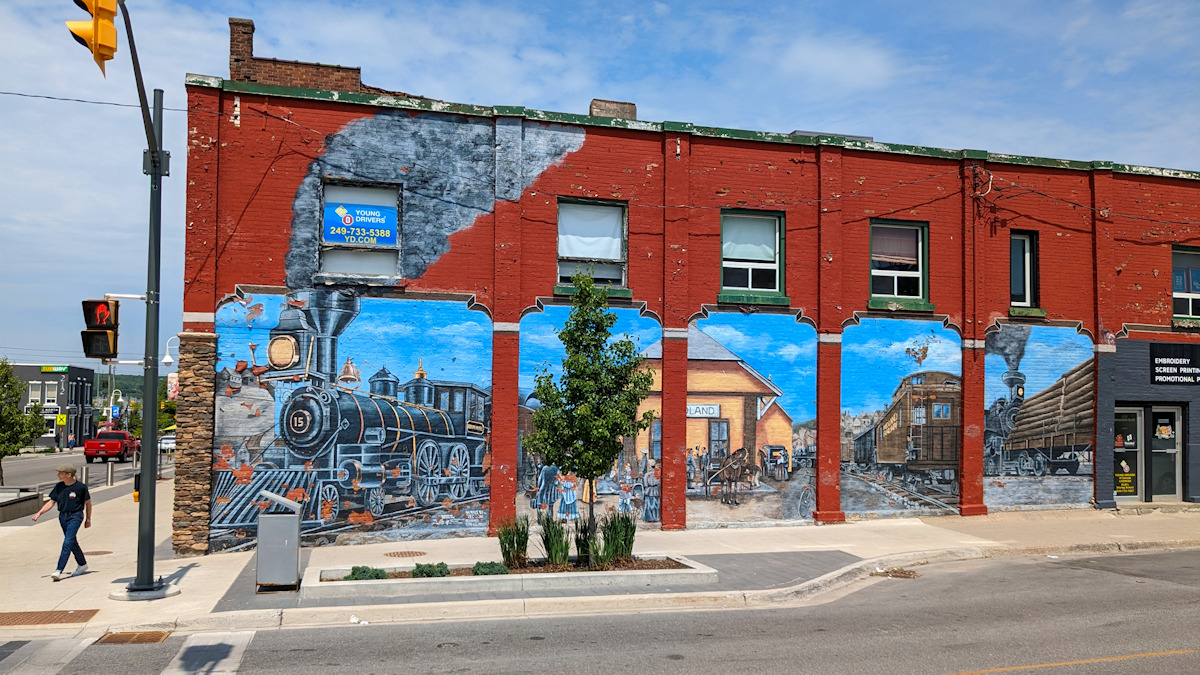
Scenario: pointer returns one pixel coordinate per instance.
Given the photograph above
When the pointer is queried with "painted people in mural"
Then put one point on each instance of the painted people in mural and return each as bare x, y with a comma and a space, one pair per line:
751, 386
620, 488
901, 417
399, 456
1038, 444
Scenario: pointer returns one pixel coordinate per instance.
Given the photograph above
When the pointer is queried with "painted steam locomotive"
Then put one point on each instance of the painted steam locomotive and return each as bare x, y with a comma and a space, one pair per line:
1044, 434
423, 439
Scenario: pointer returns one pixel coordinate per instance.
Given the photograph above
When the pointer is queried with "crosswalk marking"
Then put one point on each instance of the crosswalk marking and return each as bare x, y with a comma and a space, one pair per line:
211, 653
53, 656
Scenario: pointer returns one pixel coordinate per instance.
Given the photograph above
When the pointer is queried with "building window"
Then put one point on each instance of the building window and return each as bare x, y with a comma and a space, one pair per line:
718, 437
1185, 283
941, 411
360, 231
750, 252
918, 379
35, 392
656, 439
51, 393
897, 261
1023, 270
919, 415
591, 236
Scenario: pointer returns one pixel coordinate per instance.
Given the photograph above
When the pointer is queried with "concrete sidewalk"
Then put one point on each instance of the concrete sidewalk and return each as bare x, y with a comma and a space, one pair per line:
756, 566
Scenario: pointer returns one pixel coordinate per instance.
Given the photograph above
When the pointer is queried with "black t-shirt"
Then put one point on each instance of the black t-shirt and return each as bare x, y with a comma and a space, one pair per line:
70, 499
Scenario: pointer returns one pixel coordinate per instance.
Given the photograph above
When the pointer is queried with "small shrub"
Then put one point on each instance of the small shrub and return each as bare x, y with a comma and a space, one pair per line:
482, 569
619, 531
364, 572
585, 541
556, 541
423, 570
514, 541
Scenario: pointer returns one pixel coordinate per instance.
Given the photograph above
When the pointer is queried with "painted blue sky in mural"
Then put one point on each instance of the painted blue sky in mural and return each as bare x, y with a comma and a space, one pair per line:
541, 348
1049, 353
454, 343
777, 347
874, 359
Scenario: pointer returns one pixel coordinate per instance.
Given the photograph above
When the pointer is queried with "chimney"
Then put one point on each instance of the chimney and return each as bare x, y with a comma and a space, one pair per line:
600, 107
241, 49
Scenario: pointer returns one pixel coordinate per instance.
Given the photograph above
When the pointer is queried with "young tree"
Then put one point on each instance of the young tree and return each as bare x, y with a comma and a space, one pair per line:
593, 404
17, 429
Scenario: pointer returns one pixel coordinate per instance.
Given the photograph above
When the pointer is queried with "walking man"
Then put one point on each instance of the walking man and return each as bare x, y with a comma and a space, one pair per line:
74, 509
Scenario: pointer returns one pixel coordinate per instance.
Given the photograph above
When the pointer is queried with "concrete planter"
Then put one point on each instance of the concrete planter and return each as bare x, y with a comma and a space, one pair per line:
324, 583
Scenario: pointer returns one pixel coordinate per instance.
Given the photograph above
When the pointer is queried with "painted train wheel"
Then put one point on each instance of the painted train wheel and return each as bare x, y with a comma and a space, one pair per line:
375, 501
1039, 465
459, 470
427, 469
1024, 464
329, 503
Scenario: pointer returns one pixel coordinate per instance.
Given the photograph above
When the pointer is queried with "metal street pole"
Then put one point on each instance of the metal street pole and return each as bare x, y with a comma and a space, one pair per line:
156, 166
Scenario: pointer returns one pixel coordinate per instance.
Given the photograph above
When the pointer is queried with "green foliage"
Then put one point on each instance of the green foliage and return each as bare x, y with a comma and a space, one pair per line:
585, 540
17, 430
482, 569
619, 530
423, 570
556, 541
364, 572
514, 541
587, 412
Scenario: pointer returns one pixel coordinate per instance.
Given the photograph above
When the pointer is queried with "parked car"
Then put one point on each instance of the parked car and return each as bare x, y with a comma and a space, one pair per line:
167, 443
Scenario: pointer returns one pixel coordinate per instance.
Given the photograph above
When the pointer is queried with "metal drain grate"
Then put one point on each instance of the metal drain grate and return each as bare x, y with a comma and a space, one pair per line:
405, 554
87, 553
48, 617
144, 637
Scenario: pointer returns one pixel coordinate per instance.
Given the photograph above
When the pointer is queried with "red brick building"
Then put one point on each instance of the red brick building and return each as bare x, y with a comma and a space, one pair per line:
690, 221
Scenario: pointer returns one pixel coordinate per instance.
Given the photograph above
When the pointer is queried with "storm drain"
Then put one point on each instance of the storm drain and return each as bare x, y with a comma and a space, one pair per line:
48, 617
142, 637
405, 554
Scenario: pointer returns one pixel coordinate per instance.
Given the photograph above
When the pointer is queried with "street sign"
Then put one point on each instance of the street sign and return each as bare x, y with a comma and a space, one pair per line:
116, 412
61, 420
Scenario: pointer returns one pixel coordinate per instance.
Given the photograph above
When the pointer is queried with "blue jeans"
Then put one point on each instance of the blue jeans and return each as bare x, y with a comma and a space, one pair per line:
70, 523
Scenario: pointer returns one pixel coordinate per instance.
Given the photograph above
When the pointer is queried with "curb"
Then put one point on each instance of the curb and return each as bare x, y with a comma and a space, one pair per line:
517, 608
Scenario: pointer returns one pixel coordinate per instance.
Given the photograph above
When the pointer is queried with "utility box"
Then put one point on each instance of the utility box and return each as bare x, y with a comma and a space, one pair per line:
277, 560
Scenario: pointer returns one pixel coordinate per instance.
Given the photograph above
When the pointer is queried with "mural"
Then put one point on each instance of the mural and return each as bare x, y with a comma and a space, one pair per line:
633, 484
1038, 449
901, 395
394, 456
447, 166
751, 418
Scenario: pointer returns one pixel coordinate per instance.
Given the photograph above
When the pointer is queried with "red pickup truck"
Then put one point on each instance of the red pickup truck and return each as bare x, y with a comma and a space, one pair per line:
118, 444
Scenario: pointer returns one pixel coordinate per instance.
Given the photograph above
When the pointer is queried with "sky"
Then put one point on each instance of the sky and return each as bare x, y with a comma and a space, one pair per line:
1100, 80
878, 353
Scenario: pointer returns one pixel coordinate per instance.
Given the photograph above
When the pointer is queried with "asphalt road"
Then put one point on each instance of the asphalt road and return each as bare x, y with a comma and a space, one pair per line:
38, 469
1096, 614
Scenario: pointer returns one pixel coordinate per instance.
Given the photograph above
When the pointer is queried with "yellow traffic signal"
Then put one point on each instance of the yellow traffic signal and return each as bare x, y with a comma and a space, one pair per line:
102, 320
99, 35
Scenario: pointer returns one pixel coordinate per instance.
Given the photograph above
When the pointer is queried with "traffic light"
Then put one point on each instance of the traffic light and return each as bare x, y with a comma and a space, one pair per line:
100, 338
99, 34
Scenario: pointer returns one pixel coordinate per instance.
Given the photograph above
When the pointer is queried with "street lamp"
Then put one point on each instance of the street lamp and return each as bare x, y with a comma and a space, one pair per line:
116, 394
167, 360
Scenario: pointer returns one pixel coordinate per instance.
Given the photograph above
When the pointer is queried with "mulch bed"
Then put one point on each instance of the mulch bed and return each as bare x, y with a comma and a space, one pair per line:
542, 568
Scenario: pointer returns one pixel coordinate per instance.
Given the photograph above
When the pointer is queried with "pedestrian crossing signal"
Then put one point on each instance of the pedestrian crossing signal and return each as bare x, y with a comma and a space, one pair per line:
100, 338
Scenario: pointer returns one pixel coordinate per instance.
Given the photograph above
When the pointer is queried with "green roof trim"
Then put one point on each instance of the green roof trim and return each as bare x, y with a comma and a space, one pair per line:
429, 105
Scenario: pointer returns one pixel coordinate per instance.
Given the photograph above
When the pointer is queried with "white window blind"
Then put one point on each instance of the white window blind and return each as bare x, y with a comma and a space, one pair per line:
748, 237
590, 231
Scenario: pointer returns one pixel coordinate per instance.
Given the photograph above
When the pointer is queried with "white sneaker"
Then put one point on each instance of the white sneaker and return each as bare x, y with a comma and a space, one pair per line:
58, 574
82, 569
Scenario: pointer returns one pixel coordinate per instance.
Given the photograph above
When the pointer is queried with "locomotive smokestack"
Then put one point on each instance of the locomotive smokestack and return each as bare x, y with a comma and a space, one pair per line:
1016, 385
327, 313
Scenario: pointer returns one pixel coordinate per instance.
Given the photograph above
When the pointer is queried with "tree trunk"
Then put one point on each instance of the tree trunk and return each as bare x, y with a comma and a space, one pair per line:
591, 491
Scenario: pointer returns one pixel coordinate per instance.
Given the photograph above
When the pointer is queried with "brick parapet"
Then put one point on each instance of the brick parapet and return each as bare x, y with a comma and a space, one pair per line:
194, 419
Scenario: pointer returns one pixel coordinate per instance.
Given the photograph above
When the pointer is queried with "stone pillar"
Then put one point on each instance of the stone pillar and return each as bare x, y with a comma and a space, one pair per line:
194, 420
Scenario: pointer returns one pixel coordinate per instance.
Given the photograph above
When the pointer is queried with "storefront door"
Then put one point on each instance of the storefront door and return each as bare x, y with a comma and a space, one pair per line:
1127, 453
1166, 465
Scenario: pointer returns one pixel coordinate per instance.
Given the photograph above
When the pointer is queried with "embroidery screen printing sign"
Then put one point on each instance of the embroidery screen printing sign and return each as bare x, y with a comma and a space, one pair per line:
1174, 364
359, 224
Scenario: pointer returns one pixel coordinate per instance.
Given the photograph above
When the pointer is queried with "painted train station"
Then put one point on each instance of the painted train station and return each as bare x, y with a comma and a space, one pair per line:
374, 279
